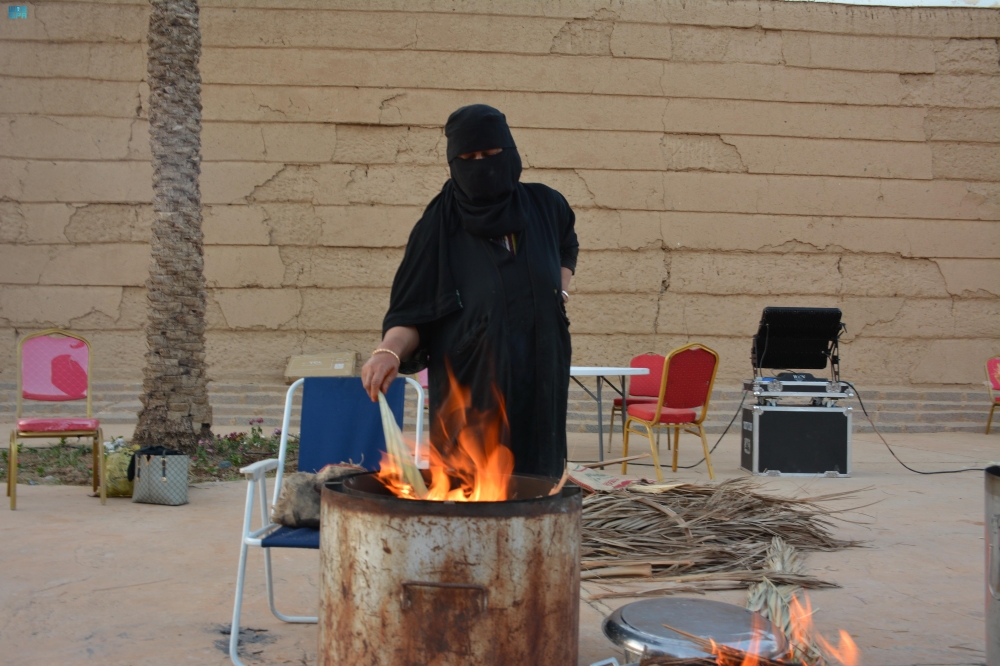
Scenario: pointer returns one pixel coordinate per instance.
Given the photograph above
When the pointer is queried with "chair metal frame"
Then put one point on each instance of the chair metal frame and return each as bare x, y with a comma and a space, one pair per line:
257, 486
16, 434
994, 398
655, 424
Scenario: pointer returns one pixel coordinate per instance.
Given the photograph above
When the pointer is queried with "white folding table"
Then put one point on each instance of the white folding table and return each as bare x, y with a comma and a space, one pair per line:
602, 374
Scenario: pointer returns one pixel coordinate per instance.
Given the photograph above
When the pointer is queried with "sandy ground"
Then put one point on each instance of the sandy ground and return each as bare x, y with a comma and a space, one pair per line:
141, 584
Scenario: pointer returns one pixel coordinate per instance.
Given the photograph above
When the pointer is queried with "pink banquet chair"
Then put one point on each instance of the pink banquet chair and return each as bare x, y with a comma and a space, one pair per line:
993, 382
642, 389
54, 366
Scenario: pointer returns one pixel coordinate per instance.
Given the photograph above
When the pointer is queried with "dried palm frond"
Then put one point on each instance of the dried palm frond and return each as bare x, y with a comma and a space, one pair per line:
397, 450
773, 601
723, 655
721, 534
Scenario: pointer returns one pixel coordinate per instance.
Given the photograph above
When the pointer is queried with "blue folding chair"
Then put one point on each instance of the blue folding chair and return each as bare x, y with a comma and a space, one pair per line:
339, 423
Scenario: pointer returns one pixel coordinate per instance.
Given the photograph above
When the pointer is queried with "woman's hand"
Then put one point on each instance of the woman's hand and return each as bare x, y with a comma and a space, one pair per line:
381, 369
378, 372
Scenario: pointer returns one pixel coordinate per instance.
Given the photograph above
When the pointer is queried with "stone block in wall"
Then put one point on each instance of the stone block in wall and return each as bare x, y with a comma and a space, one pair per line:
863, 53
109, 223
952, 362
319, 342
829, 157
115, 265
235, 225
258, 357
554, 149
22, 265
366, 144
291, 223
403, 185
234, 182
118, 264
316, 184
334, 267
118, 99
961, 90
702, 44
258, 103
353, 309
425, 69
589, 36
243, 266
969, 56
835, 18
789, 233
971, 277
835, 121
621, 272
97, 61
80, 22
886, 276
263, 27
733, 315
795, 195
367, 226
258, 308
738, 273
612, 313
503, 34
42, 306
65, 138
976, 125
640, 40
31, 181
965, 161
34, 223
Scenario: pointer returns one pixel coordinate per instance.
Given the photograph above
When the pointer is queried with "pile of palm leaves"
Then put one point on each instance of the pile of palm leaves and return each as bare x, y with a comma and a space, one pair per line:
696, 538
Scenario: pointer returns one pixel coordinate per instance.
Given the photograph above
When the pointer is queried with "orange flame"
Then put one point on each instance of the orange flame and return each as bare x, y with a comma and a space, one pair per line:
808, 646
846, 651
475, 468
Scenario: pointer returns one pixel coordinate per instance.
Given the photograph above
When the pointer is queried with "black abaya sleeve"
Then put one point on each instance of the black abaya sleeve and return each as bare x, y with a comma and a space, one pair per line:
423, 290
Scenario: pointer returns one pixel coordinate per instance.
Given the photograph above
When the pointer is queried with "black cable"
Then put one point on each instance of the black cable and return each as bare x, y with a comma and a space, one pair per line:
916, 471
731, 421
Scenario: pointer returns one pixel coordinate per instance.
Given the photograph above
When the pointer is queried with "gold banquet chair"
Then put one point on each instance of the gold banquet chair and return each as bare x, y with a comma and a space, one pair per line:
685, 387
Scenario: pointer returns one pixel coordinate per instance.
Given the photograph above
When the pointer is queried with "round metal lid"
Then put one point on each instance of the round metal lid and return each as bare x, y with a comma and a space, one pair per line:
639, 627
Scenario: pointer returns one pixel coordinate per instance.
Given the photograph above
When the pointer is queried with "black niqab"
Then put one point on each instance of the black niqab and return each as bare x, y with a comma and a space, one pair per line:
486, 190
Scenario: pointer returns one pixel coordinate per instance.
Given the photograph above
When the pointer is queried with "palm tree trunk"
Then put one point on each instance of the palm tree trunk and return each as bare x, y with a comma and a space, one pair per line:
175, 410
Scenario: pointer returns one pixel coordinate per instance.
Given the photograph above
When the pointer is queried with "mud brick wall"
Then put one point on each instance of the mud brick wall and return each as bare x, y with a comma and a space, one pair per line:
720, 156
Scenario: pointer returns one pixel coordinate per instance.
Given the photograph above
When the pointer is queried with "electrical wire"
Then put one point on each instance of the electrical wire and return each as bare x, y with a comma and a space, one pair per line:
717, 442
915, 471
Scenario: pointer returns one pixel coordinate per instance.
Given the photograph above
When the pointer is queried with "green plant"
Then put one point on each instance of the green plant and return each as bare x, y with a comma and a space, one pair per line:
223, 456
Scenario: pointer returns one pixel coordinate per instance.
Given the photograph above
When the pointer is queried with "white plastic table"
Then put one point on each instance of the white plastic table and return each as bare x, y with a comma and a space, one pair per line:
602, 374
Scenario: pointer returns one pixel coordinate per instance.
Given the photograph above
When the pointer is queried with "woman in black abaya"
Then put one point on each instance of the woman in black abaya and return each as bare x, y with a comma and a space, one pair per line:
482, 290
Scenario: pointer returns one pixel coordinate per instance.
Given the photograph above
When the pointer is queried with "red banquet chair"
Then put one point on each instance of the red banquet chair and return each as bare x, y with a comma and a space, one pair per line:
685, 388
642, 389
54, 366
993, 381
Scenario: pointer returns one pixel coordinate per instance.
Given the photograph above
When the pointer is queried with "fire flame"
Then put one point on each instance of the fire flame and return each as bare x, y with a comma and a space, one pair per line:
476, 466
809, 648
846, 651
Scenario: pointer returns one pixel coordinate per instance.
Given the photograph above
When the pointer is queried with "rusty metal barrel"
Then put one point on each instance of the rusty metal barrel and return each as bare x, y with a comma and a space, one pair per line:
992, 522
449, 583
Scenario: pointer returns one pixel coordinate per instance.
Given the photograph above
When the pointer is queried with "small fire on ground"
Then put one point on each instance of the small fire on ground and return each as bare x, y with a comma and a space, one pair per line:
476, 466
808, 646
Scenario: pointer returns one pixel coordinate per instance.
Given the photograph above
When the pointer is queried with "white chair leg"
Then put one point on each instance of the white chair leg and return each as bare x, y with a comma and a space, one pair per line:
234, 628
294, 619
